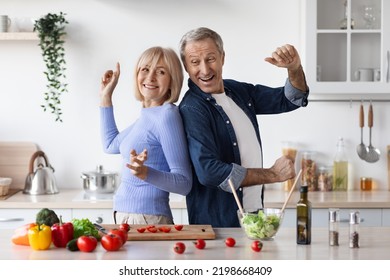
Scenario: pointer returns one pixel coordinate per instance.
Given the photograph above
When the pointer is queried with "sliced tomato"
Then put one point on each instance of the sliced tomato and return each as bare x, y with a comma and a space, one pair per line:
178, 227
165, 229
141, 230
152, 229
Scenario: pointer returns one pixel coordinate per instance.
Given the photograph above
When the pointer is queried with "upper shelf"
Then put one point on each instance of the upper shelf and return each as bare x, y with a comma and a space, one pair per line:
18, 36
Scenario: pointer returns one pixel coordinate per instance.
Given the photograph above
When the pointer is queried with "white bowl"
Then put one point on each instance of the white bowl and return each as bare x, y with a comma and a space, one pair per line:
261, 224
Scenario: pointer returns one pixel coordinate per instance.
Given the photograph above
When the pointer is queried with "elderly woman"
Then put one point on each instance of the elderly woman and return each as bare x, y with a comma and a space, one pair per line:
154, 149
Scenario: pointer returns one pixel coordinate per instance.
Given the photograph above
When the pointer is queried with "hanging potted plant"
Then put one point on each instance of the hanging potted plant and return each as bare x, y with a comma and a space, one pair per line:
51, 31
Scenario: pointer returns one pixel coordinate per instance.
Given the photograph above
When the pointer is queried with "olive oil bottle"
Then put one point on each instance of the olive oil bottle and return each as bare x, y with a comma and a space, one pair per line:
303, 217
340, 168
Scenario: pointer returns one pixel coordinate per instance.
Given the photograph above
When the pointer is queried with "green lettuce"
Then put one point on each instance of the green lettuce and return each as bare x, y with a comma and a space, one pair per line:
260, 225
84, 227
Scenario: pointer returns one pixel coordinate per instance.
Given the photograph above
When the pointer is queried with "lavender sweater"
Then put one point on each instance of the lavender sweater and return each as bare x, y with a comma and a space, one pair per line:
160, 131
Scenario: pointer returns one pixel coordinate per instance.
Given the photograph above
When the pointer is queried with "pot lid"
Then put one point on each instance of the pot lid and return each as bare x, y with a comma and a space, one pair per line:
99, 172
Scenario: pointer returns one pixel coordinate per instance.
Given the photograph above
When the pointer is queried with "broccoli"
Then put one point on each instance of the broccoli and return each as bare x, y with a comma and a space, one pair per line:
47, 217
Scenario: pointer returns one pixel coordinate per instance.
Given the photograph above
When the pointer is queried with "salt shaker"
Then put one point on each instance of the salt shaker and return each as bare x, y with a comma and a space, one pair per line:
334, 219
354, 221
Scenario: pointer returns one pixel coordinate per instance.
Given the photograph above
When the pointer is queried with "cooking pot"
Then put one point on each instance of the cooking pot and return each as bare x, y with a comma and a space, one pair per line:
40, 181
99, 181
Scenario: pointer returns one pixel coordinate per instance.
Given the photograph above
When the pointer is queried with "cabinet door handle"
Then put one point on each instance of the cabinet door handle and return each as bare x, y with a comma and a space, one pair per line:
5, 220
347, 220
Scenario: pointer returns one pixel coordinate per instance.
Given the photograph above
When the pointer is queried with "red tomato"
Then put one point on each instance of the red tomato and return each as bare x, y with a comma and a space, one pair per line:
122, 234
165, 229
257, 245
111, 242
125, 227
86, 243
200, 244
230, 242
152, 229
179, 248
178, 227
141, 230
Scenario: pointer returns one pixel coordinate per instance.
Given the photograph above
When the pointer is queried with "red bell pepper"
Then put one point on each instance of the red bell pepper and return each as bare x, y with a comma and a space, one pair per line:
61, 233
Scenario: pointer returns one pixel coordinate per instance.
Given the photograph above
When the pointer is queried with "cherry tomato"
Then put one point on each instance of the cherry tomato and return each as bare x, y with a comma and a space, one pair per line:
141, 230
125, 226
152, 229
111, 242
179, 248
121, 232
200, 244
230, 242
86, 243
257, 245
165, 229
178, 227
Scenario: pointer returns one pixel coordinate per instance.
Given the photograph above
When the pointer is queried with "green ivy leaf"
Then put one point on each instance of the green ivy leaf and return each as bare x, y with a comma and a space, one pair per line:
51, 30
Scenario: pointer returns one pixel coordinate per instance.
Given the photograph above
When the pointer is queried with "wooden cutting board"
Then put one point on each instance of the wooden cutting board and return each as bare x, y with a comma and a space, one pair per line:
14, 161
388, 166
187, 233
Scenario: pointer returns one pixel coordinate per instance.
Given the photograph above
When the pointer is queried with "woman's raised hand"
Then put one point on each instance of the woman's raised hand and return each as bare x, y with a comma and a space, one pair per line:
108, 84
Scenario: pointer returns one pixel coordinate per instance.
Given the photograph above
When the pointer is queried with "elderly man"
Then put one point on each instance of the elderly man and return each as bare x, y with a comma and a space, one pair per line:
223, 136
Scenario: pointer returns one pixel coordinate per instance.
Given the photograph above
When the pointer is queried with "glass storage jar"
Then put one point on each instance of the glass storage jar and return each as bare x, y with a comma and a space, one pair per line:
325, 180
309, 169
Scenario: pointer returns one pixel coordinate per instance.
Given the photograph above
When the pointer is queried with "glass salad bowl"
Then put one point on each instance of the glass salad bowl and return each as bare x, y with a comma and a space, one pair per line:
261, 224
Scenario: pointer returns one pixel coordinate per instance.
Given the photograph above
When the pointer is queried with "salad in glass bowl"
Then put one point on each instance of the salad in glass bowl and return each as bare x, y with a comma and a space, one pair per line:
261, 224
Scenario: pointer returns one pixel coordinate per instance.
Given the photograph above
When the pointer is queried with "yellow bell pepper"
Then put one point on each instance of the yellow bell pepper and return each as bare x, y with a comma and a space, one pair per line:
39, 237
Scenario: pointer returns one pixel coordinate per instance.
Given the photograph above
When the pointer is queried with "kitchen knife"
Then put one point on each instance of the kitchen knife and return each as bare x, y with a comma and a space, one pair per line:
100, 228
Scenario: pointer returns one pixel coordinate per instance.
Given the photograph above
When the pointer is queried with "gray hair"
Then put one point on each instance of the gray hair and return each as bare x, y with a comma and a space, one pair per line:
200, 34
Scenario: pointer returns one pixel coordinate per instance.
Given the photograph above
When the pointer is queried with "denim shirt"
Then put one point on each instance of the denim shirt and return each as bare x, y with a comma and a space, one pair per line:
213, 145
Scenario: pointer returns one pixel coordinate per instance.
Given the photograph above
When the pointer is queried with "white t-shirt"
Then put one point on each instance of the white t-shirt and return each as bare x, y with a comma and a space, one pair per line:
250, 152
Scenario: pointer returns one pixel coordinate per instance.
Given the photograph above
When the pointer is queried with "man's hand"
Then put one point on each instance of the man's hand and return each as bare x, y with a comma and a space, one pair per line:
282, 170
285, 56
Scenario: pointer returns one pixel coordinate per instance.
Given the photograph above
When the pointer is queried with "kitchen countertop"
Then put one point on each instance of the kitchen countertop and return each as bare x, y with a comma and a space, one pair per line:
74, 198
283, 247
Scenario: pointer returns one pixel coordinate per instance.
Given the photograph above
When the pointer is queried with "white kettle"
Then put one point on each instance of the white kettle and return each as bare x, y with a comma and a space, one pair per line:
40, 181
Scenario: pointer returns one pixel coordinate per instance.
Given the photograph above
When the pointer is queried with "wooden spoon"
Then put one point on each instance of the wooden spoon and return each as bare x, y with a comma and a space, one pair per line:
291, 191
373, 153
361, 148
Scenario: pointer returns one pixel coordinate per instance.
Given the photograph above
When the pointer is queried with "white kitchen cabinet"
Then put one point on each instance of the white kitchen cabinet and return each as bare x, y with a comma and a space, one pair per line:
369, 217
14, 218
332, 56
386, 217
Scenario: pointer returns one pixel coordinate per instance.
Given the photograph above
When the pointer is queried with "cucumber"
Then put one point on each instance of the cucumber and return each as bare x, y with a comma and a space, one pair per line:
72, 245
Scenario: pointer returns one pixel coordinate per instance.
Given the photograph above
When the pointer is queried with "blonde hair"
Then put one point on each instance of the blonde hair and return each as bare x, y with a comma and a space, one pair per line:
151, 57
